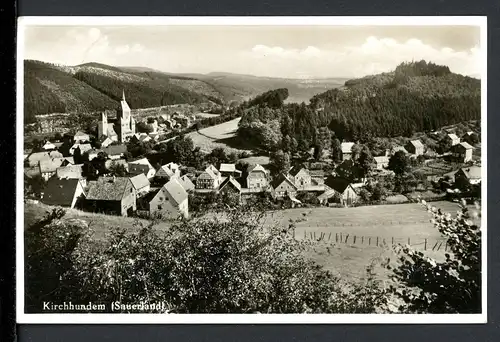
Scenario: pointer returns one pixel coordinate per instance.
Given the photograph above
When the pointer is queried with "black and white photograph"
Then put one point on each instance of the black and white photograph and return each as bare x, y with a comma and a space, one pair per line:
251, 170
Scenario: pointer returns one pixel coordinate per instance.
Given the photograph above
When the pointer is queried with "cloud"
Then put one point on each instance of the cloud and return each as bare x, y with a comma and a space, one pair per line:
374, 55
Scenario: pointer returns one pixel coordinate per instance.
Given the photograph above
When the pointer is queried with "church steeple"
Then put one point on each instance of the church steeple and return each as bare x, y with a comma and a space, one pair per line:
123, 95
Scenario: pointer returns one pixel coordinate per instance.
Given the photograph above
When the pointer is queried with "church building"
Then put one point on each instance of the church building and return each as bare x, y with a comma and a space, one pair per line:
119, 129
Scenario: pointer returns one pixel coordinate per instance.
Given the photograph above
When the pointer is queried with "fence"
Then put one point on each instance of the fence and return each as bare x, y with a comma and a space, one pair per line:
376, 241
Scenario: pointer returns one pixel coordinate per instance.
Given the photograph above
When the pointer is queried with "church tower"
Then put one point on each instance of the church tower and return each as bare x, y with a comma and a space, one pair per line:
126, 124
102, 126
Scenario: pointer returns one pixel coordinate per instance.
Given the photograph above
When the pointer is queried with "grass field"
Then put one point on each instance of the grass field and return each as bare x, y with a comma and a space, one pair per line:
223, 135
262, 160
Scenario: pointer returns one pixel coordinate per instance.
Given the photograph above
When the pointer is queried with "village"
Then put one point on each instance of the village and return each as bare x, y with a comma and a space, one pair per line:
164, 191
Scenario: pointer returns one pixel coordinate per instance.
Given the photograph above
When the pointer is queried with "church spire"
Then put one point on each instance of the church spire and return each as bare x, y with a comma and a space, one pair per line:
123, 95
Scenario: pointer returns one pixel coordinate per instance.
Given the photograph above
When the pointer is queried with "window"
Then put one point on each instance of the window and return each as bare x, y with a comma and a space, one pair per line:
160, 206
161, 198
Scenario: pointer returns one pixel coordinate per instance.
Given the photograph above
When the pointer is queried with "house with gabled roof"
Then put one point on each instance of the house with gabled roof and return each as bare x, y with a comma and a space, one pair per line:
34, 159
462, 152
227, 170
71, 172
167, 172
186, 183
300, 176
63, 192
338, 190
283, 186
171, 201
230, 185
381, 162
257, 178
470, 137
48, 146
141, 184
48, 167
115, 151
82, 147
141, 166
415, 147
468, 175
346, 148
81, 137
112, 195
209, 179
105, 141
452, 139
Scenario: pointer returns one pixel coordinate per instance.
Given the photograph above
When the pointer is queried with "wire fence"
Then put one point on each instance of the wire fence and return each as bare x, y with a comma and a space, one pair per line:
426, 244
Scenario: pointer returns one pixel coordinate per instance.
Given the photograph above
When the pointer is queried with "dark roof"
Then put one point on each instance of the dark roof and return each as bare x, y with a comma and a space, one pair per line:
280, 179
60, 191
107, 188
114, 150
230, 180
338, 184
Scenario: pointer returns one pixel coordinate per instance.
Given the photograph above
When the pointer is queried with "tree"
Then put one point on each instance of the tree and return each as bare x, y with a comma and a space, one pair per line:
399, 163
217, 156
58, 136
378, 193
365, 161
142, 127
364, 195
279, 162
451, 286
336, 151
117, 169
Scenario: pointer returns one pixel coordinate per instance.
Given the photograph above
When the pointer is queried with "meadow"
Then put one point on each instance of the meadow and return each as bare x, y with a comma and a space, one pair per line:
222, 135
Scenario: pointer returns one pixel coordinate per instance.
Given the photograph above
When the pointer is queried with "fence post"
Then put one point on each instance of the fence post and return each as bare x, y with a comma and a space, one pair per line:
315, 235
369, 241
377, 241
425, 245
446, 246
435, 245
311, 235
347, 236
336, 237
440, 244
392, 241
305, 234
340, 237
329, 236
409, 244
354, 239
362, 240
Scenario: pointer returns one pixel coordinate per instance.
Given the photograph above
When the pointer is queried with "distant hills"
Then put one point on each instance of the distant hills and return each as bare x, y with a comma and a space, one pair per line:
89, 87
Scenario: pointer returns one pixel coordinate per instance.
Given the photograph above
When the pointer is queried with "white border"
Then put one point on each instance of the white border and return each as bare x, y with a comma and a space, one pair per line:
48, 318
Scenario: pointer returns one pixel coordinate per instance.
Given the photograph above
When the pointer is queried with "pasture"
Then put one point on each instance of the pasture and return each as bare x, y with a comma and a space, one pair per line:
222, 135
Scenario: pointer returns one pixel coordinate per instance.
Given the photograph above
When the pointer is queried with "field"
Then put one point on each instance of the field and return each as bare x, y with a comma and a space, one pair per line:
262, 160
223, 135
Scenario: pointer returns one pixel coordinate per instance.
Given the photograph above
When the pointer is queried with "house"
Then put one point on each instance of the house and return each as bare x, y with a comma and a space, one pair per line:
92, 153
257, 178
227, 170
462, 152
115, 151
63, 192
71, 172
349, 170
209, 179
81, 137
141, 184
141, 166
105, 141
338, 190
415, 147
300, 176
381, 162
82, 147
48, 146
113, 195
34, 159
48, 167
230, 185
398, 148
452, 139
468, 176
317, 177
170, 201
346, 148
167, 172
186, 183
282, 186
471, 137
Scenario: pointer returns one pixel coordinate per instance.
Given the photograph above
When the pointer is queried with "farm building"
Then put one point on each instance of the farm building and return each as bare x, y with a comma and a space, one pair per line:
115, 151
62, 192
112, 195
230, 185
48, 167
462, 152
300, 176
282, 186
48, 146
81, 137
82, 147
71, 172
186, 183
209, 179
141, 184
227, 170
167, 172
141, 166
415, 147
338, 190
170, 201
471, 137
257, 178
468, 176
452, 139
346, 148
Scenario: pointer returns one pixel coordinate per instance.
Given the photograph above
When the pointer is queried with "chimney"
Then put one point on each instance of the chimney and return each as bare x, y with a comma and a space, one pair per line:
114, 178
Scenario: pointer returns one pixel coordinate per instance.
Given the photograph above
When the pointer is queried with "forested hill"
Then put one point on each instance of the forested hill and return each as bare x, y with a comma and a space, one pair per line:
417, 96
414, 97
93, 87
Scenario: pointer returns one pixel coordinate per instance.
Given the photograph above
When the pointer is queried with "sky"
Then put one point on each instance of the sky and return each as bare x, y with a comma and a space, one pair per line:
273, 51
